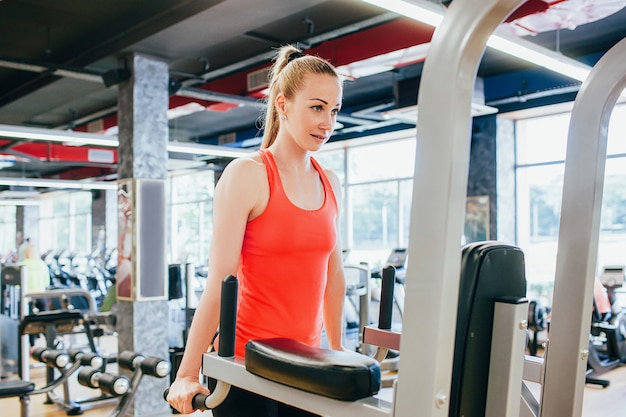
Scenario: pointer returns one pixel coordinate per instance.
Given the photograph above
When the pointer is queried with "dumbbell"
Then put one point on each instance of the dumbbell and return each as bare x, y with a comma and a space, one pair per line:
114, 385
150, 365
51, 357
86, 358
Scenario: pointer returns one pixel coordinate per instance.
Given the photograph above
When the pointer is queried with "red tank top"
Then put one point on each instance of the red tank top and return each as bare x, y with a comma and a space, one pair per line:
284, 265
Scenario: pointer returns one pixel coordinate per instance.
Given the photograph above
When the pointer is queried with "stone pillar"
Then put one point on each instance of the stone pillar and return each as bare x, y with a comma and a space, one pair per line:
141, 273
482, 167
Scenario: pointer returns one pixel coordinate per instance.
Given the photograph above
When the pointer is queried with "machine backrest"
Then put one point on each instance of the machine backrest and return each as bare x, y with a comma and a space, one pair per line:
489, 270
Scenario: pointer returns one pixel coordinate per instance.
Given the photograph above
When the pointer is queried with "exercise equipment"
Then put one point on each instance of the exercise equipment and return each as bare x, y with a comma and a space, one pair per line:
607, 344
139, 365
538, 321
20, 389
65, 364
109, 384
340, 375
357, 304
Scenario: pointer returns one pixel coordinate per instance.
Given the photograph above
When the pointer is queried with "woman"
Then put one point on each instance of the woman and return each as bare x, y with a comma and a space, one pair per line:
276, 227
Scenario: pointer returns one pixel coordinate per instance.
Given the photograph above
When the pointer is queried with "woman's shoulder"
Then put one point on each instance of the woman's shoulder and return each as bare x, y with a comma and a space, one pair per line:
244, 170
248, 163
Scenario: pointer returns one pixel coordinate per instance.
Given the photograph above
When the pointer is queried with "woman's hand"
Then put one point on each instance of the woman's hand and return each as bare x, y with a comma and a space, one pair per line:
182, 391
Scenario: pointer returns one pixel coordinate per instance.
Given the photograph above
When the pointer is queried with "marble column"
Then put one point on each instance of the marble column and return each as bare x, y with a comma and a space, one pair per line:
482, 167
142, 171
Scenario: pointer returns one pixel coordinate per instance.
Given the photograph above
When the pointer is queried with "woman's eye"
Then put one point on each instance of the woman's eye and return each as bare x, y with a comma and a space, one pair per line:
317, 108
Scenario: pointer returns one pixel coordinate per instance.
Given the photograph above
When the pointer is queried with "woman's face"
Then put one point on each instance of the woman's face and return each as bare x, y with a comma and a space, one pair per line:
311, 114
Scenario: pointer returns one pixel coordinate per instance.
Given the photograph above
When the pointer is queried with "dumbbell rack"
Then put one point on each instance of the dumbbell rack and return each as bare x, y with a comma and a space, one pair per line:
139, 365
66, 363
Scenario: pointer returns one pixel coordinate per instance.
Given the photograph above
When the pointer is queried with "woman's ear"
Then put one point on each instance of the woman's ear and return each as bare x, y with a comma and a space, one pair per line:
280, 103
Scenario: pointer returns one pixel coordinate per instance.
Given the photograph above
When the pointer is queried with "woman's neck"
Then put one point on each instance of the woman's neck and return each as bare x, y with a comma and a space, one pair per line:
290, 158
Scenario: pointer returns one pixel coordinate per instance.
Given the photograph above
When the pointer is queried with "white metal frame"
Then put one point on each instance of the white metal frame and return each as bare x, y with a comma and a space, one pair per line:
583, 182
440, 190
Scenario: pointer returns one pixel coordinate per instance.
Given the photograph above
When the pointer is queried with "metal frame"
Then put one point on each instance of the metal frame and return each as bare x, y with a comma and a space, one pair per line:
583, 183
439, 191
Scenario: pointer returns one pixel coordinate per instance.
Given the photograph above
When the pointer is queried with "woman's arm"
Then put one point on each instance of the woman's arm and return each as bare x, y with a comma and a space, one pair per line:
334, 295
236, 195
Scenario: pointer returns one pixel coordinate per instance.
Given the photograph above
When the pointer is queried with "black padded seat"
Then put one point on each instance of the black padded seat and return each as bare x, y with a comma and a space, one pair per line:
15, 388
341, 375
489, 271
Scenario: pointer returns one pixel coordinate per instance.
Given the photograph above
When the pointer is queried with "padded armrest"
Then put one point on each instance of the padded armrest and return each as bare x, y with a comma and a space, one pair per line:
345, 376
37, 322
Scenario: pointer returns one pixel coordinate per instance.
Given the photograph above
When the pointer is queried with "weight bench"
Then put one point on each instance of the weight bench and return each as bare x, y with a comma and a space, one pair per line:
21, 389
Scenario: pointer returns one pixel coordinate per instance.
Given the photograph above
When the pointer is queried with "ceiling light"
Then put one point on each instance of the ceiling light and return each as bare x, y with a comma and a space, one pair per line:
52, 183
211, 150
51, 135
425, 12
530, 52
185, 110
431, 14
384, 62
69, 137
409, 114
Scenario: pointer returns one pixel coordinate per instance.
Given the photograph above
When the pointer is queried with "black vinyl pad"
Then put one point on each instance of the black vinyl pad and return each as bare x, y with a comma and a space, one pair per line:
345, 376
489, 271
15, 388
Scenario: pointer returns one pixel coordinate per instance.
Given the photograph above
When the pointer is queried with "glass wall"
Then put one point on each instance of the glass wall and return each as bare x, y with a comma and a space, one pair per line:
377, 181
541, 146
191, 211
8, 230
65, 222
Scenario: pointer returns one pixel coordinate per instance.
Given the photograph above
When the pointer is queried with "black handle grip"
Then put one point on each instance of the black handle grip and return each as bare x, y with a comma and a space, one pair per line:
198, 401
386, 298
228, 317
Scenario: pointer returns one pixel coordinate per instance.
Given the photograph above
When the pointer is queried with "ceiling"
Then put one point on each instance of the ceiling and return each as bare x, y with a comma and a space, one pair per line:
55, 57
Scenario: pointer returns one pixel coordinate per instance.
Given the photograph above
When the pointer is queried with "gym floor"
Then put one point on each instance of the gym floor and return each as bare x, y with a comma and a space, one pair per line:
607, 402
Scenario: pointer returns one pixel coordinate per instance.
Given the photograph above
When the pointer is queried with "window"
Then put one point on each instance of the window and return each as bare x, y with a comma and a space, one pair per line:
377, 183
541, 147
191, 211
65, 222
8, 229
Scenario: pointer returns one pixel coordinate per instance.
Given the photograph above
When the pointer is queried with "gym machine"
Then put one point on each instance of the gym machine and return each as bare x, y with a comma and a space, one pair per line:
64, 364
607, 345
139, 365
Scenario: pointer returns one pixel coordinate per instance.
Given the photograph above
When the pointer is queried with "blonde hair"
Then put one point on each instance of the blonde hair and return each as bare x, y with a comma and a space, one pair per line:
286, 75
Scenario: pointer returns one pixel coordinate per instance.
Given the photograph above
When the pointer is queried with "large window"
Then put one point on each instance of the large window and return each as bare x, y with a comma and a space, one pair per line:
8, 229
541, 147
191, 210
65, 222
377, 181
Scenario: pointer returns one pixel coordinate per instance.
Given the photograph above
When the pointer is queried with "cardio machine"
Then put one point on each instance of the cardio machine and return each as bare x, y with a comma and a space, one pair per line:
607, 344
